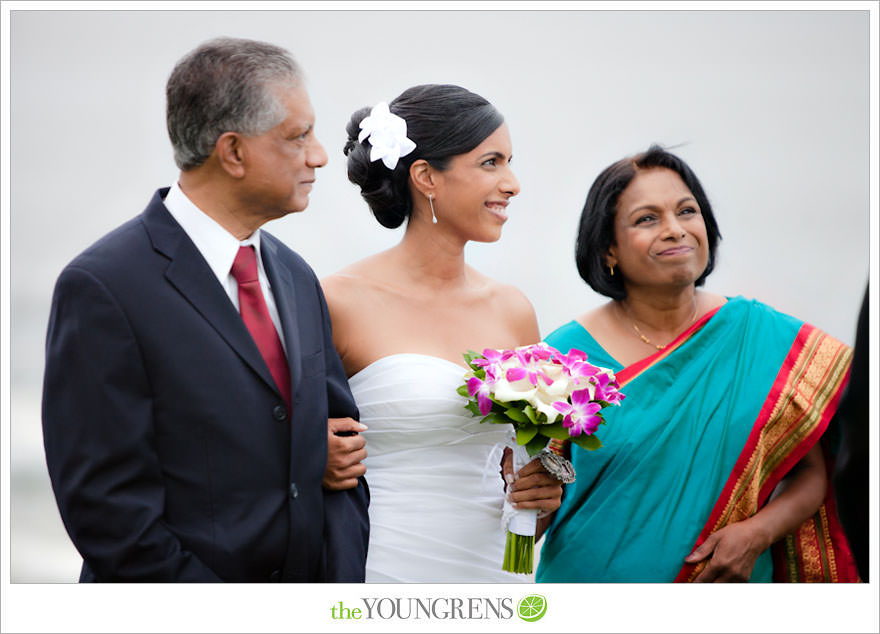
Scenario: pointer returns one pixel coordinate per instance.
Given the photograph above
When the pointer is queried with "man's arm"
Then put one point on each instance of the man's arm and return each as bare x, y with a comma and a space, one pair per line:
346, 519
99, 440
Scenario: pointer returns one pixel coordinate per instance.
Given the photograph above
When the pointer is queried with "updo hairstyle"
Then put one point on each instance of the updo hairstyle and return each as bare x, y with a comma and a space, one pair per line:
442, 120
596, 231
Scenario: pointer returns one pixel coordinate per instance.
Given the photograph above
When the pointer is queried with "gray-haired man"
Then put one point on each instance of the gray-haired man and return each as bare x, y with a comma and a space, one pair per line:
190, 370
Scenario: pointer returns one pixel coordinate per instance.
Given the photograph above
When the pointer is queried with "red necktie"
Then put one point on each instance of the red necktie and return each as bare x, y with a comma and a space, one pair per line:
255, 315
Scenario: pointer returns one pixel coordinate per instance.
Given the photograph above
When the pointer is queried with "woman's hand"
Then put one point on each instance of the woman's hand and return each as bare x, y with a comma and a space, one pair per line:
532, 487
733, 550
731, 553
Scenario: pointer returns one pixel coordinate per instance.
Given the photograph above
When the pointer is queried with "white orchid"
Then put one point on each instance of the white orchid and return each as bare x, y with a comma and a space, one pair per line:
386, 133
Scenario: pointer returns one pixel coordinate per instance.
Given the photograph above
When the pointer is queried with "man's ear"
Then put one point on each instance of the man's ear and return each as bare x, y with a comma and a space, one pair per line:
423, 177
230, 152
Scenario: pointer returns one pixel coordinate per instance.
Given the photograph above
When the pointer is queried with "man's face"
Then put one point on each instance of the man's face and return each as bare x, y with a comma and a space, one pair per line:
280, 164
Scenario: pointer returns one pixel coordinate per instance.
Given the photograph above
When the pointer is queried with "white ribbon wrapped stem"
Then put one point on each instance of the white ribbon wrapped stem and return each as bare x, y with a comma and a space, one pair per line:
519, 521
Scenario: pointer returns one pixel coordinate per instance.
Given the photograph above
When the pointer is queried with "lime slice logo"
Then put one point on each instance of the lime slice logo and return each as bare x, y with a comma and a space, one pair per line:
532, 607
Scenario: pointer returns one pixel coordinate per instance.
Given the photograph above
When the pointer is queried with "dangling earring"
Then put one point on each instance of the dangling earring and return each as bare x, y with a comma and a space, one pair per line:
611, 269
431, 202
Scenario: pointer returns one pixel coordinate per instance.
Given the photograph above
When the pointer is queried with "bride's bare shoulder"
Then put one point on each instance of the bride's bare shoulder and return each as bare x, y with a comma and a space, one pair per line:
355, 279
510, 304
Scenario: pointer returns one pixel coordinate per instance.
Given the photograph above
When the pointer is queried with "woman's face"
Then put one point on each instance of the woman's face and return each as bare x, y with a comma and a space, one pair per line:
472, 193
660, 237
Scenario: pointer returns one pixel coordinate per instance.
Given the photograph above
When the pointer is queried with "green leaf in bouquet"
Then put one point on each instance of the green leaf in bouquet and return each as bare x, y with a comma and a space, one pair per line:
535, 445
474, 408
496, 418
590, 443
516, 415
556, 430
603, 403
531, 414
463, 391
524, 435
470, 355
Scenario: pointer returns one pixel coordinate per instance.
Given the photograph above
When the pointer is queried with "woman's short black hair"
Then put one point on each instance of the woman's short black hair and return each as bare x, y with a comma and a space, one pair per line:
596, 231
442, 120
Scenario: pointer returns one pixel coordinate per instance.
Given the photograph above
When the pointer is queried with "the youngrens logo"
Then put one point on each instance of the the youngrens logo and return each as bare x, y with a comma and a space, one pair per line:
532, 608
529, 608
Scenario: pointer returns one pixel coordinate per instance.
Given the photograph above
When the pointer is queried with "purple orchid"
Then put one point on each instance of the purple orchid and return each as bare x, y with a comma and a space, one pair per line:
607, 389
493, 357
583, 370
482, 388
544, 352
580, 414
528, 359
574, 355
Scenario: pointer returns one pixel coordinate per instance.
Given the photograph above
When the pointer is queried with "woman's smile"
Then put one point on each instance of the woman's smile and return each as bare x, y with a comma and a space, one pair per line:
673, 251
497, 208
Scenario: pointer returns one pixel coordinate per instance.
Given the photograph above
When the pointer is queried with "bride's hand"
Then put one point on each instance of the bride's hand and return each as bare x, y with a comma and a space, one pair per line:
533, 488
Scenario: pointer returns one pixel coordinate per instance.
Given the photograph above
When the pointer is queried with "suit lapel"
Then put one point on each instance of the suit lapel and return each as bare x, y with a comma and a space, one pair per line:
190, 274
283, 290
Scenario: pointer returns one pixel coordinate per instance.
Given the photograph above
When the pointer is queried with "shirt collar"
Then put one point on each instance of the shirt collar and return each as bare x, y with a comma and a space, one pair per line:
216, 244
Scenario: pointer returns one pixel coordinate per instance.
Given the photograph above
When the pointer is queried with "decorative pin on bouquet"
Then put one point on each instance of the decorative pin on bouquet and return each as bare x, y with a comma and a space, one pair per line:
547, 397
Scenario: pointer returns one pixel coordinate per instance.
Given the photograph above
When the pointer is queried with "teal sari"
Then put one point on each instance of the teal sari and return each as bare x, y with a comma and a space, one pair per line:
706, 430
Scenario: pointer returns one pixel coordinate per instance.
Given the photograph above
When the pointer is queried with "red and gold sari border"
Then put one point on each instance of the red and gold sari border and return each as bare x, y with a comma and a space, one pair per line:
794, 416
631, 372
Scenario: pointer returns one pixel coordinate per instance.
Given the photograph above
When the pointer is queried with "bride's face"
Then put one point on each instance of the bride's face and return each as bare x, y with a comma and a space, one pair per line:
473, 192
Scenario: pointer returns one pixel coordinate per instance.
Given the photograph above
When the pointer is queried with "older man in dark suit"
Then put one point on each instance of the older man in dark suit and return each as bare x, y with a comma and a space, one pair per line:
190, 369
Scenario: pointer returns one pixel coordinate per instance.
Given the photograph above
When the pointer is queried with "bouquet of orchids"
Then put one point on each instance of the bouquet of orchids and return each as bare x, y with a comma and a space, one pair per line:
547, 397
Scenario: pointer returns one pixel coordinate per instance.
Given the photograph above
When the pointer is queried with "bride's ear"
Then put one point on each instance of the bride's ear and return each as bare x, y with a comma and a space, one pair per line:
423, 177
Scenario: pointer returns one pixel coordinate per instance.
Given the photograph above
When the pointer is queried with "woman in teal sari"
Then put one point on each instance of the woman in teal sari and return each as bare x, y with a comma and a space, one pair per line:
717, 453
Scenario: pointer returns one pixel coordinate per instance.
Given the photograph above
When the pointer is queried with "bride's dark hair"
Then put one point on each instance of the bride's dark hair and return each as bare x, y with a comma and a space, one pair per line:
442, 120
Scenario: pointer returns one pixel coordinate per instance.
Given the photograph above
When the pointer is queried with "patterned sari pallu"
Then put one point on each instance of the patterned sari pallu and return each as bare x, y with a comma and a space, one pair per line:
795, 415
712, 423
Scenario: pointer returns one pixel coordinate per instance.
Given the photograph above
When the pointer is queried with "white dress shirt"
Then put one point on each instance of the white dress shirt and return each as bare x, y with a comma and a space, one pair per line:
219, 248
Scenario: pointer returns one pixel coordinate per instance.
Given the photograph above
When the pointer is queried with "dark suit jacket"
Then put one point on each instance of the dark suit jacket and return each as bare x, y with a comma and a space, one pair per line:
171, 453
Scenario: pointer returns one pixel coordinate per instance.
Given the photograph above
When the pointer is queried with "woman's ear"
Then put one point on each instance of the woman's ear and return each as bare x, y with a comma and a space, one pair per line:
423, 177
230, 153
611, 256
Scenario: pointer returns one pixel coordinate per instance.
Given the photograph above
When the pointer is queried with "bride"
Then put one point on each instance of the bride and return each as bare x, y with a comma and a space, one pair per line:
438, 160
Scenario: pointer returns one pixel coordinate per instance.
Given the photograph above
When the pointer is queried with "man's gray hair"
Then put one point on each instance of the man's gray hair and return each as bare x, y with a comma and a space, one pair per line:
225, 85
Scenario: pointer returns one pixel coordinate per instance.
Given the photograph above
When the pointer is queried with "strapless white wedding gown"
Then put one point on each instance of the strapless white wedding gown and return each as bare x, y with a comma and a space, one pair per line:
433, 471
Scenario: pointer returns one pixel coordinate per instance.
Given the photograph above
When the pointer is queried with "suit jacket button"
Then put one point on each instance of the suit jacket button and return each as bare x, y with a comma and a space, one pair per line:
280, 413
294, 492
275, 577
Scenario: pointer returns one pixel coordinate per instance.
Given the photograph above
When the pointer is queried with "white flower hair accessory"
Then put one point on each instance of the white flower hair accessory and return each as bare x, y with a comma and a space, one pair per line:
386, 133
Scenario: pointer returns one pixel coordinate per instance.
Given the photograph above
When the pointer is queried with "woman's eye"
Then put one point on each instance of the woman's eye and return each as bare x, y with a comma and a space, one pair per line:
688, 210
491, 162
643, 219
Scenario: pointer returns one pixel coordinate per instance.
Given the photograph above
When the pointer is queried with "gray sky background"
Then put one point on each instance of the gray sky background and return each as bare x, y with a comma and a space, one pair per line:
770, 108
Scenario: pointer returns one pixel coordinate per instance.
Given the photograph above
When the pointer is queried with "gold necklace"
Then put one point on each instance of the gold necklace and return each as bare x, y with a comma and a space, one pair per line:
644, 338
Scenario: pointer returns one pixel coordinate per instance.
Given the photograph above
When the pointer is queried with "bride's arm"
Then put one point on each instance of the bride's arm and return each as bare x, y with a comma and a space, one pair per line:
334, 289
532, 487
519, 310
345, 446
